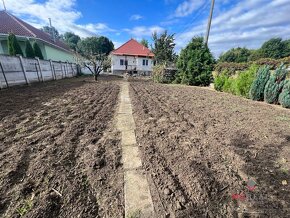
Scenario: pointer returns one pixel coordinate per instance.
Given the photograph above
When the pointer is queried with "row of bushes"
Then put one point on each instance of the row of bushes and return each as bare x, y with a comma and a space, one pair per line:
257, 84
232, 68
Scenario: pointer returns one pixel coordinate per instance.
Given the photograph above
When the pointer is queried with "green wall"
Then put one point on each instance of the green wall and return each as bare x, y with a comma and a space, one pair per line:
58, 55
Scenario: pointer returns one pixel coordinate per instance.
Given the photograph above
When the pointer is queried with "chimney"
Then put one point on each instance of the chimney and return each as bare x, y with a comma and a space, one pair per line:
51, 31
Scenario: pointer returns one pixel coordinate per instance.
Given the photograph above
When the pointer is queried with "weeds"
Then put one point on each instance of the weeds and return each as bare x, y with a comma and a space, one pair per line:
26, 206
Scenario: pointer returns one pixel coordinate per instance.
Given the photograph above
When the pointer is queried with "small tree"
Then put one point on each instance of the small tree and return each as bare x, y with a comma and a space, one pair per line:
284, 97
95, 51
275, 85
37, 51
13, 45
29, 50
195, 64
258, 85
71, 40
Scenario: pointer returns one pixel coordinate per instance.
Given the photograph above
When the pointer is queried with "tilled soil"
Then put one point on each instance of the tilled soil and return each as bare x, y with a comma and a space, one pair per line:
202, 149
60, 154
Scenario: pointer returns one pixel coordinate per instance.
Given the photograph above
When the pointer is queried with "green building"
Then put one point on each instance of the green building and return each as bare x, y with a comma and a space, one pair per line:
51, 49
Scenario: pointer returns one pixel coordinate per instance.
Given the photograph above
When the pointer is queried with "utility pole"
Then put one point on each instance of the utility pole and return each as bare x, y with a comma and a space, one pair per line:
209, 22
4, 5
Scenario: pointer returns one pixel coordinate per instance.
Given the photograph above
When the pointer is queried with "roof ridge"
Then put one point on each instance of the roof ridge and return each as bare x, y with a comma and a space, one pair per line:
15, 18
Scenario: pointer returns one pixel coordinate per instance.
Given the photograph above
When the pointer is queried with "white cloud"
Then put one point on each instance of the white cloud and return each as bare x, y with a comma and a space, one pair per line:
143, 31
247, 23
62, 12
136, 17
187, 7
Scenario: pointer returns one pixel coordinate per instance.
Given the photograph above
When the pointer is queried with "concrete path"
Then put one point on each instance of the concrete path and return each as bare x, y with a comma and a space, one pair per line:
138, 202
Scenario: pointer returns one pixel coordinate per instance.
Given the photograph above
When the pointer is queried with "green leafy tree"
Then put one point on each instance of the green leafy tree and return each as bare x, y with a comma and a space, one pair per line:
71, 40
95, 51
274, 48
29, 50
275, 85
195, 64
237, 55
219, 81
145, 43
163, 48
51, 30
13, 45
284, 97
37, 51
258, 85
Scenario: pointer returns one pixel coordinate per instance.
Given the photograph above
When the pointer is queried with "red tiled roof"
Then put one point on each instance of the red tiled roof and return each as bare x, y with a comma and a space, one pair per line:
134, 48
10, 23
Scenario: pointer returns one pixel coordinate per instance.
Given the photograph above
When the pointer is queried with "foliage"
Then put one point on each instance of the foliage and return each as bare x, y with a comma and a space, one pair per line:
145, 43
237, 55
229, 85
244, 81
284, 97
95, 51
13, 45
219, 81
161, 74
195, 64
163, 47
51, 30
230, 68
37, 51
29, 50
259, 83
71, 40
274, 48
275, 85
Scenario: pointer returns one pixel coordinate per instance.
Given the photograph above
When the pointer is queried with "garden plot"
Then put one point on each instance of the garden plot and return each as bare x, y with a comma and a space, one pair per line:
212, 154
60, 154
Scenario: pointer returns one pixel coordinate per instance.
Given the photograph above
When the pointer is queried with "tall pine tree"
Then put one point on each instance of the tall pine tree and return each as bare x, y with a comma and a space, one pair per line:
37, 51
29, 50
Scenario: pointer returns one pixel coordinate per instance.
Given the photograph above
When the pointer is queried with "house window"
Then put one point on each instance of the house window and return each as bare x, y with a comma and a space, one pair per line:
121, 62
145, 62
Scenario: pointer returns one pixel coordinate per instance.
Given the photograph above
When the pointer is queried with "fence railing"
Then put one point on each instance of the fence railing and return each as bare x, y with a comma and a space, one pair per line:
18, 70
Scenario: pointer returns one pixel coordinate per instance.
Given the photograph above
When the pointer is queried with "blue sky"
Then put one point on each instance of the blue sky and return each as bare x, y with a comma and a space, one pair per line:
235, 23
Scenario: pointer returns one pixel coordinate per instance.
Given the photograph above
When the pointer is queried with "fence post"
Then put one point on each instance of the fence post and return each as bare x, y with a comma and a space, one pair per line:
61, 69
66, 68
72, 69
50, 62
7, 85
23, 69
40, 70
37, 72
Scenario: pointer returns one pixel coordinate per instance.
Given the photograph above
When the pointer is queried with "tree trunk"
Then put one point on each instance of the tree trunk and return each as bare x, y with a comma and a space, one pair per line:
96, 77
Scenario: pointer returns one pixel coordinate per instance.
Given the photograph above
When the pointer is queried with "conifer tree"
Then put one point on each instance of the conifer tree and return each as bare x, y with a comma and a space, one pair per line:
37, 51
284, 97
13, 45
29, 50
258, 86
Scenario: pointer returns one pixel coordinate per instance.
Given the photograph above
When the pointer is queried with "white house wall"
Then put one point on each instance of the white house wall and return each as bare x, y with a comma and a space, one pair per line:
132, 63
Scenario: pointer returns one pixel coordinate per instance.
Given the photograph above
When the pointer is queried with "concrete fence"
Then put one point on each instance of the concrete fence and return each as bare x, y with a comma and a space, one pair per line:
19, 70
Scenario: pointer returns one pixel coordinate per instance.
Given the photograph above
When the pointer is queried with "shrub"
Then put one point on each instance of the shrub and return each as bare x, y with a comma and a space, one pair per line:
231, 68
13, 45
161, 74
37, 51
220, 81
258, 85
229, 86
284, 97
275, 85
195, 64
29, 50
244, 81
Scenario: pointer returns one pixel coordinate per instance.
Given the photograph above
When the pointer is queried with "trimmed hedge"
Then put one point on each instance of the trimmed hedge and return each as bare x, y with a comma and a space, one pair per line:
275, 85
258, 85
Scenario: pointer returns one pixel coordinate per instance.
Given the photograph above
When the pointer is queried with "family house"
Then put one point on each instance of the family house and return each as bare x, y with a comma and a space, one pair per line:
51, 49
132, 57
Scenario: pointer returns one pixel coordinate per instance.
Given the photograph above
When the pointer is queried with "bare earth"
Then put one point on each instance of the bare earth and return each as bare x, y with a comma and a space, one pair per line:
60, 153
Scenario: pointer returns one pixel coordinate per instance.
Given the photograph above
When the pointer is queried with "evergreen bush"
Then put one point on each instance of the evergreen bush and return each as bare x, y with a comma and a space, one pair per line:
258, 85
29, 50
275, 85
284, 97
13, 45
37, 51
